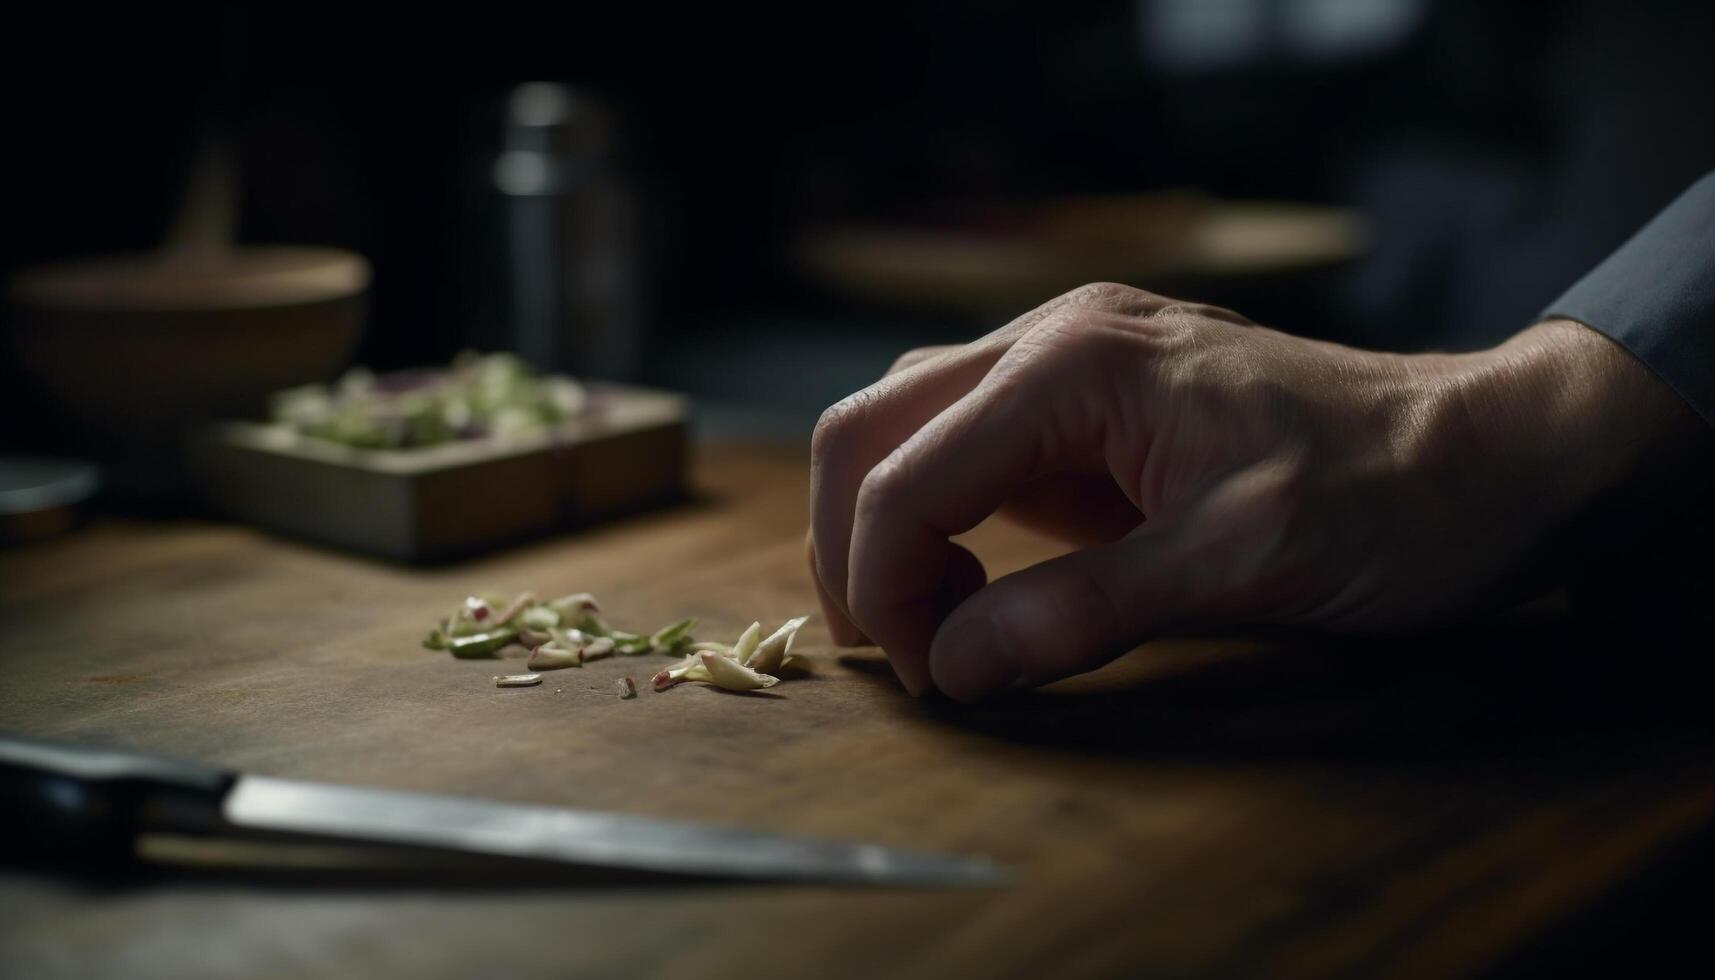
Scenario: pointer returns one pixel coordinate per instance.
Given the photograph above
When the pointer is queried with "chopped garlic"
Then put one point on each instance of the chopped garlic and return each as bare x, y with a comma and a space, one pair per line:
627, 688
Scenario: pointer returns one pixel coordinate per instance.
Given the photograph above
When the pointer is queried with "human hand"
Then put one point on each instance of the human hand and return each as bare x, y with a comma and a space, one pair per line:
1206, 469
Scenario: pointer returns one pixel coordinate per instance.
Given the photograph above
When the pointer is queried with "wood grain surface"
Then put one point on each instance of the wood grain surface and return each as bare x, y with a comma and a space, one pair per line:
1241, 805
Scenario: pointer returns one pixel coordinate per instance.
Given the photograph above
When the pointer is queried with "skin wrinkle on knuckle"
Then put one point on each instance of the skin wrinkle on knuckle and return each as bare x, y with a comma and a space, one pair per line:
1070, 336
832, 432
838, 431
1112, 296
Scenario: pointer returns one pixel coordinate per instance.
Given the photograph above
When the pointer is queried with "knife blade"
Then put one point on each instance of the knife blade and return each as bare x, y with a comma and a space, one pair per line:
96, 802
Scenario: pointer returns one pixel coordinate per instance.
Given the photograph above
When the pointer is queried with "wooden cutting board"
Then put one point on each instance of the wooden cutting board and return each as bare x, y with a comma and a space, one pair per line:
1248, 805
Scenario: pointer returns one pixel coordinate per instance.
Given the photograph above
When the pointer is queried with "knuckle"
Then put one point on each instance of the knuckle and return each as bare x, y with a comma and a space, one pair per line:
1065, 331
1187, 352
1107, 296
837, 427
1076, 336
1175, 324
911, 358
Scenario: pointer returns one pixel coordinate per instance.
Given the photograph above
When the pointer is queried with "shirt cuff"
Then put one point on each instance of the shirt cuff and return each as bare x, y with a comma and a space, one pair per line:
1656, 297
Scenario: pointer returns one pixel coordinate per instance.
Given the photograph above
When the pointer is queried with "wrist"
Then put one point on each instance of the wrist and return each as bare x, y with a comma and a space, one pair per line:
1552, 419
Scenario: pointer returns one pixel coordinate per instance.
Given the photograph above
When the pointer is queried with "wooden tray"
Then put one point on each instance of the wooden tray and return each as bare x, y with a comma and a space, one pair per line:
445, 501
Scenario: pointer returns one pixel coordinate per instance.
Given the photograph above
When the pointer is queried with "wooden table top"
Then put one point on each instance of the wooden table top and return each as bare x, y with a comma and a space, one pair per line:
1262, 803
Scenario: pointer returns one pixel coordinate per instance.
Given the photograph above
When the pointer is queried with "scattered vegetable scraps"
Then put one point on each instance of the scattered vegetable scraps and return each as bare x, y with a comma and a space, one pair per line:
564, 632
570, 632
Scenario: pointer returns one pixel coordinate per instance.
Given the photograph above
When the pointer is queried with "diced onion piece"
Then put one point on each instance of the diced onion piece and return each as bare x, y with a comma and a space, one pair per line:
747, 641
552, 656
734, 676
689, 669
770, 653
517, 680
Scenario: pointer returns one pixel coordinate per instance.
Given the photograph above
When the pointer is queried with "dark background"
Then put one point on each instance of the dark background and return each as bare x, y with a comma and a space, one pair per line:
1499, 149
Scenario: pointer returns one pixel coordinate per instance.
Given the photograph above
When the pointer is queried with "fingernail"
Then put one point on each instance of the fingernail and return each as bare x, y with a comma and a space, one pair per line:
967, 661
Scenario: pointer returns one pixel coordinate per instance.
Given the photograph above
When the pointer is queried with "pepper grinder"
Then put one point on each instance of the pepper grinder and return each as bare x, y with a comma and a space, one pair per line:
570, 235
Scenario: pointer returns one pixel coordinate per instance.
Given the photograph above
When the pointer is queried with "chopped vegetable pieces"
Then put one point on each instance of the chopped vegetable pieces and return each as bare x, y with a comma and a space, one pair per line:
571, 632
480, 644
552, 657
479, 396
671, 638
730, 674
771, 653
747, 641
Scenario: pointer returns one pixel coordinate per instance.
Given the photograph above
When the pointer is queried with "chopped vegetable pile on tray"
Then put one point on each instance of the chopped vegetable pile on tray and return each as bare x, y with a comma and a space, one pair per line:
477, 396
570, 632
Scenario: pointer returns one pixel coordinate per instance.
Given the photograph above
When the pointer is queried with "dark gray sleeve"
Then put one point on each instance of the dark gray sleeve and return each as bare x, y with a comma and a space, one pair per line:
1656, 296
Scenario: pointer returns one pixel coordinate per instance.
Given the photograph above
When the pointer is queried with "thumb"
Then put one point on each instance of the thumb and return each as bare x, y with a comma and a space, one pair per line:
1062, 617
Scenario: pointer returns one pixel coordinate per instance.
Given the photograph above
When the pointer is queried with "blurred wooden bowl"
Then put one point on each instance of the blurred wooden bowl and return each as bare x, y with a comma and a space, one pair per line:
130, 348
1021, 256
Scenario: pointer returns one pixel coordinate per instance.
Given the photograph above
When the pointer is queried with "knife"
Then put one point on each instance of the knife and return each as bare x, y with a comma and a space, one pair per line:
92, 805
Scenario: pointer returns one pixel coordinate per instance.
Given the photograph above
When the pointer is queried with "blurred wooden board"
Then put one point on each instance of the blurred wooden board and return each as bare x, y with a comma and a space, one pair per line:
1157, 242
454, 499
1256, 805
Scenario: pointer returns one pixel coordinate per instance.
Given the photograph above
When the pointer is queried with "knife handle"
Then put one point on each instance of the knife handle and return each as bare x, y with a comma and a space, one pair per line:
64, 803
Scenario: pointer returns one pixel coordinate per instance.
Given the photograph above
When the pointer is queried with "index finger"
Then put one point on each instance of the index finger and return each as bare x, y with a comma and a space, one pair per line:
1022, 420
862, 429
